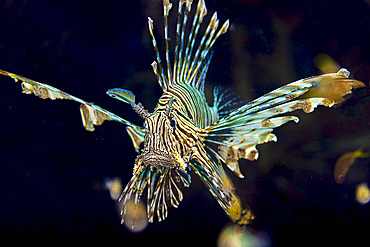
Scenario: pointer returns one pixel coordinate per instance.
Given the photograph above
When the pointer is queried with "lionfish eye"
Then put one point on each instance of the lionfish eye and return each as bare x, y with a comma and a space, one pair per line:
172, 123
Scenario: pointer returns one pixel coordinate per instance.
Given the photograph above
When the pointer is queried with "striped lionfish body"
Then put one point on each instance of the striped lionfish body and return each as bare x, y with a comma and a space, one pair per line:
184, 133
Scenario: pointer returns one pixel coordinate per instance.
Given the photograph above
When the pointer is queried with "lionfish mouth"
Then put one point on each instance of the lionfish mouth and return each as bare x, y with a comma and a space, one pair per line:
157, 159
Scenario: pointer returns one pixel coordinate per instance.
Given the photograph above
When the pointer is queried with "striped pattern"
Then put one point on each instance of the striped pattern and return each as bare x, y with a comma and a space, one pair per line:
174, 137
191, 104
184, 133
194, 135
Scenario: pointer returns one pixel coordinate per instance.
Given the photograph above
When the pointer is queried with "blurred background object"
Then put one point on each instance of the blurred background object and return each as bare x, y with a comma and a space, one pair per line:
362, 193
235, 236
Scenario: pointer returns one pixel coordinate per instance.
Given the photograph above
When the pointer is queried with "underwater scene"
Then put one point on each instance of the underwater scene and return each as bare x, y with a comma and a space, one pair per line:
241, 122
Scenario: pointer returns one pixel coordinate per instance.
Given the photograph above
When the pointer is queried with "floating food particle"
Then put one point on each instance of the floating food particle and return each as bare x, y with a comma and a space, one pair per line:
362, 193
136, 218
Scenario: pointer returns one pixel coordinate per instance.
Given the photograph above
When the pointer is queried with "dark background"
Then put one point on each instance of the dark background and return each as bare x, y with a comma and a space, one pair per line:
52, 171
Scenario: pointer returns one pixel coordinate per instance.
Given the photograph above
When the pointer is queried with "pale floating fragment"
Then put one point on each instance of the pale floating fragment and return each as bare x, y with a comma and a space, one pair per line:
362, 193
241, 236
114, 186
136, 218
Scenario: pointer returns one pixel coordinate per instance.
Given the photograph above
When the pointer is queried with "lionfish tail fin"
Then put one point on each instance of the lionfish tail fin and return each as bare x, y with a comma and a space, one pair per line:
191, 60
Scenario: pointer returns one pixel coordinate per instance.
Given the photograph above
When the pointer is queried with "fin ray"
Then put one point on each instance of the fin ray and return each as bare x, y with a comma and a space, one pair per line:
187, 67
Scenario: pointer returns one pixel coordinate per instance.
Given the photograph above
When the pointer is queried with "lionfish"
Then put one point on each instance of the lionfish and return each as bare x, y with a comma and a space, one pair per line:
184, 133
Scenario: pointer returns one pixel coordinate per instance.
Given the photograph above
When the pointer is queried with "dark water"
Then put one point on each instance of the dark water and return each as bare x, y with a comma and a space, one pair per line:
52, 170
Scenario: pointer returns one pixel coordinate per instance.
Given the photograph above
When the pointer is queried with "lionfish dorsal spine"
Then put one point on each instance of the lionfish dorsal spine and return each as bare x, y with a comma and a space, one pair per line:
200, 83
192, 68
187, 67
166, 9
157, 65
180, 33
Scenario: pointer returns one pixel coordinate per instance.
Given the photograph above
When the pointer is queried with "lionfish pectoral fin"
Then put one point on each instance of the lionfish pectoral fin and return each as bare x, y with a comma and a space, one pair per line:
334, 86
237, 214
91, 114
221, 187
166, 192
209, 169
225, 100
233, 148
164, 189
236, 135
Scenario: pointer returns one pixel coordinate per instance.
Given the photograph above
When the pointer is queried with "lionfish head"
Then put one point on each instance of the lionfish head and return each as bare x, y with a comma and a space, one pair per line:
165, 145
